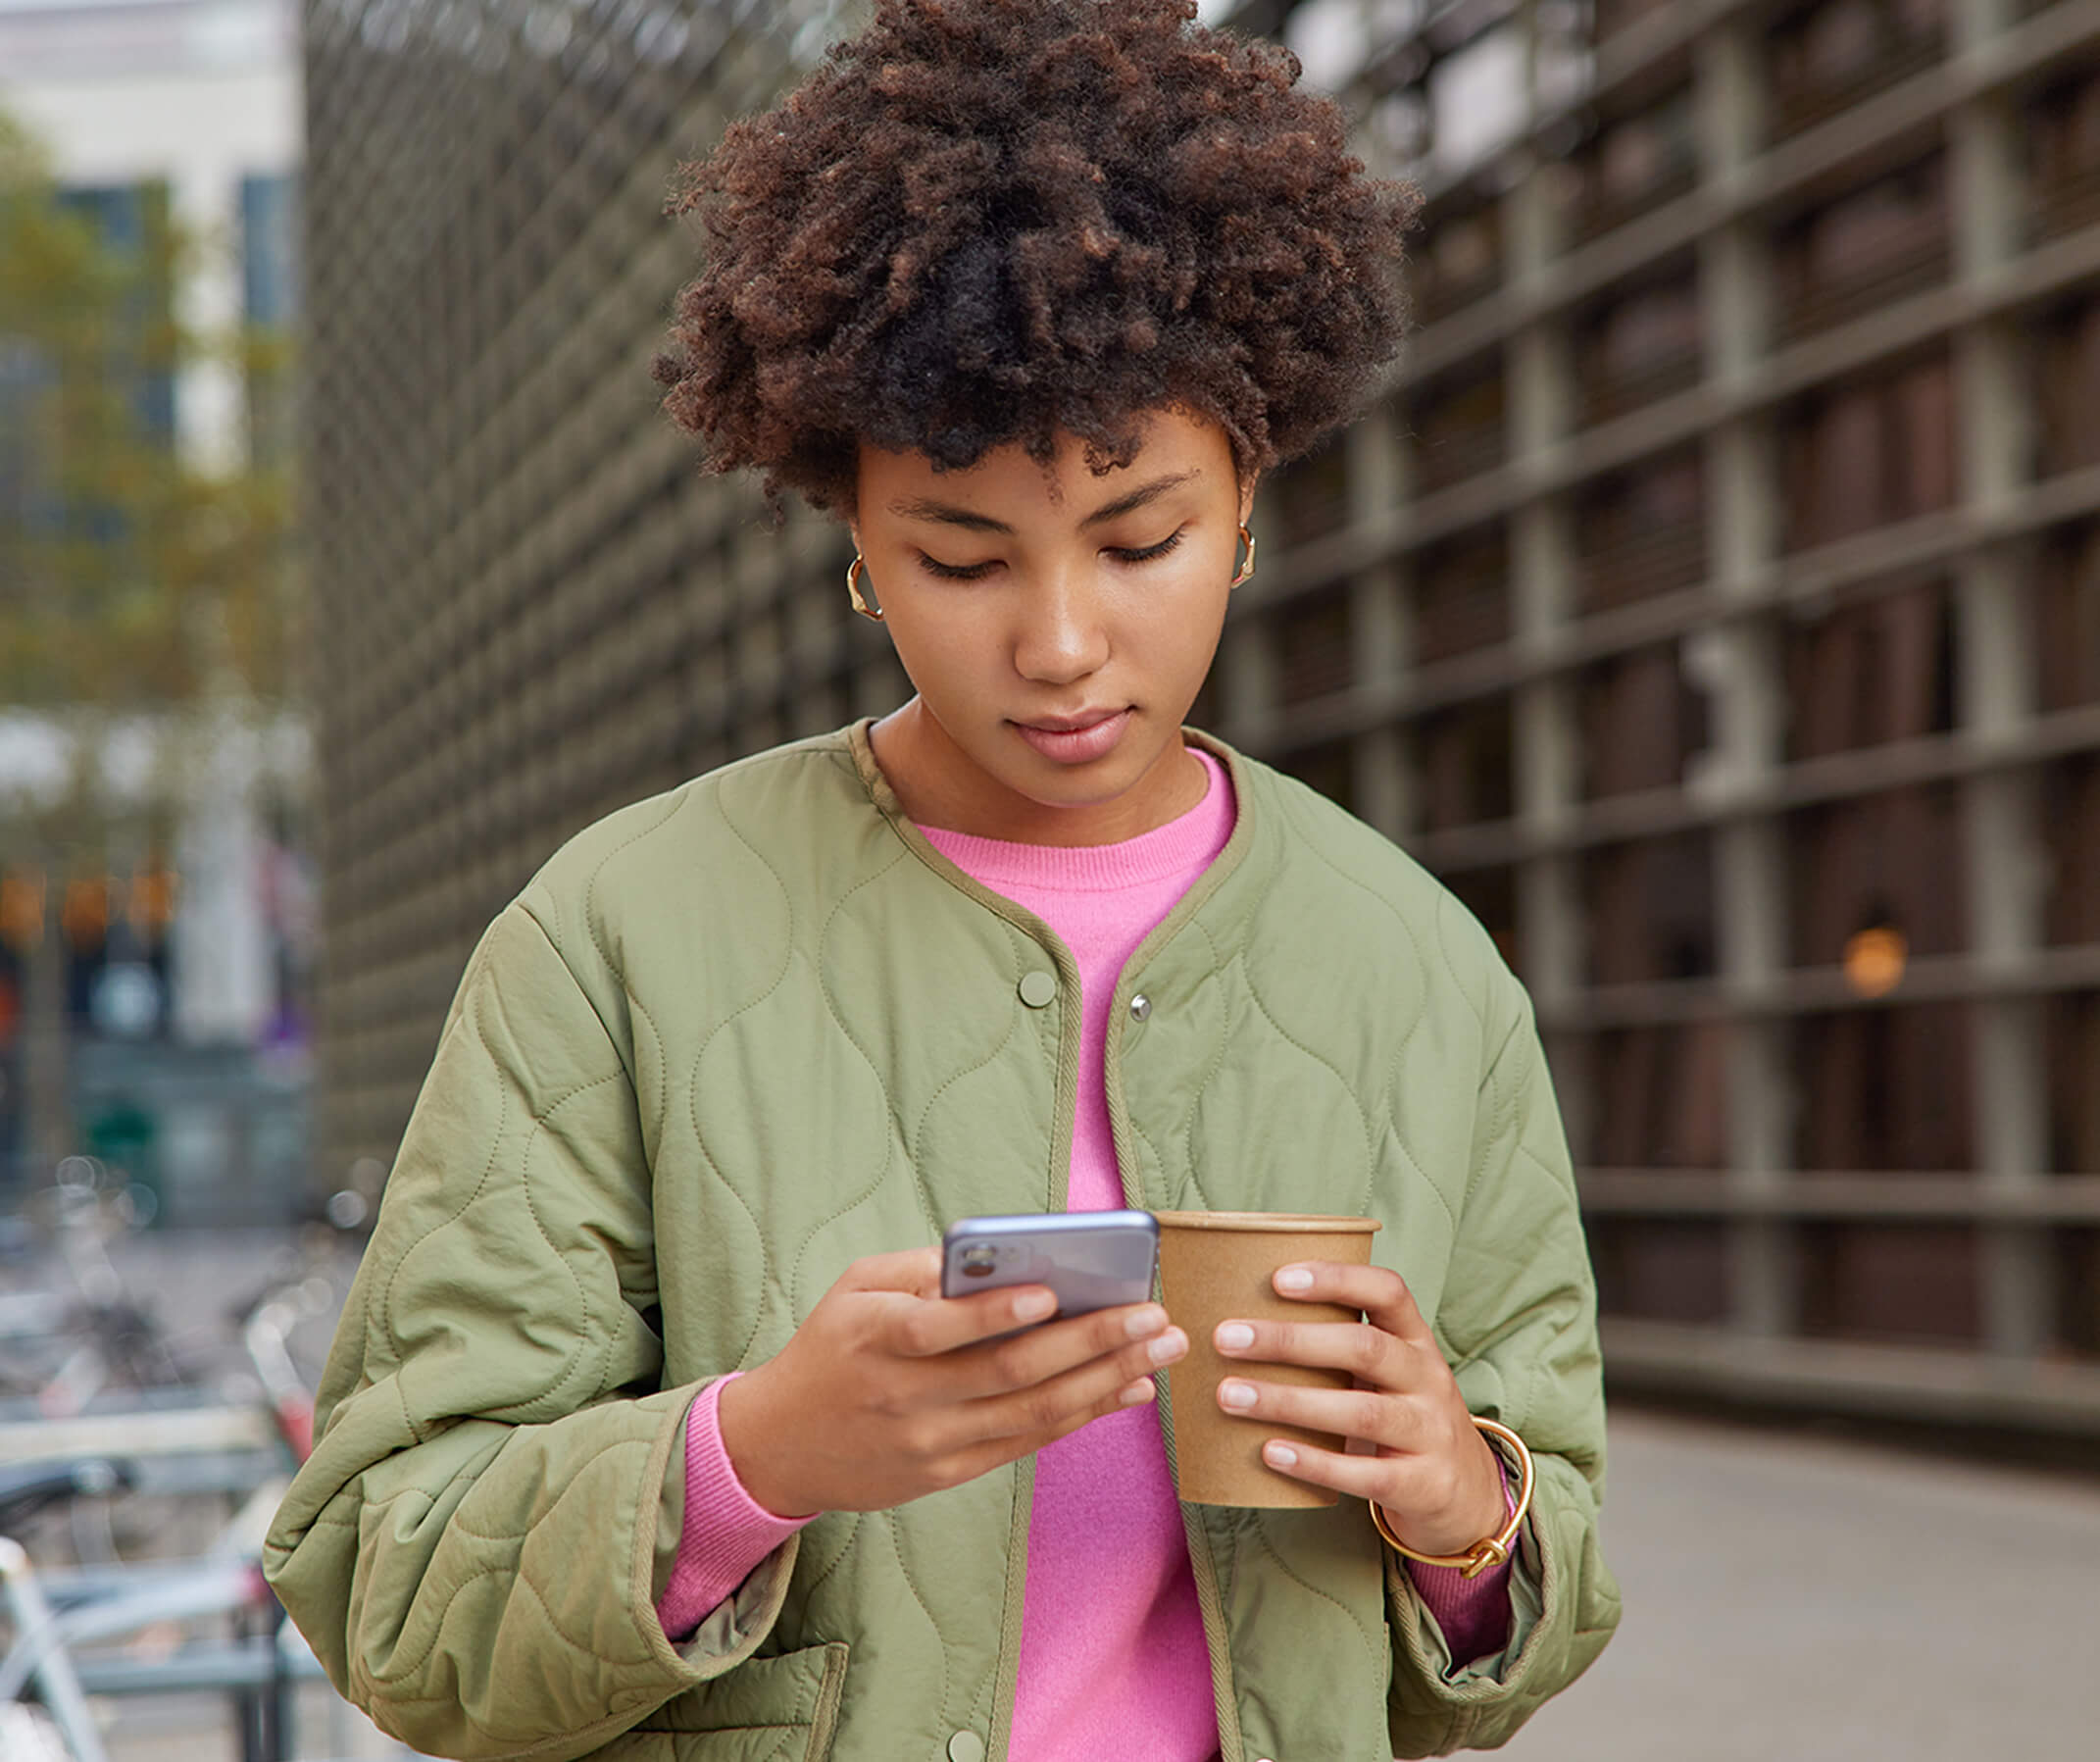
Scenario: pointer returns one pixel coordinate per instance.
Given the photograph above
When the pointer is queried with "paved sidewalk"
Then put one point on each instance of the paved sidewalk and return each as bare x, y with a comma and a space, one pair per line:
191, 1728
1791, 1600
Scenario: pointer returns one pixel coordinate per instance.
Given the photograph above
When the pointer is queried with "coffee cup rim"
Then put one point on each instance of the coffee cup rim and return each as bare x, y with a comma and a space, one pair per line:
1295, 1223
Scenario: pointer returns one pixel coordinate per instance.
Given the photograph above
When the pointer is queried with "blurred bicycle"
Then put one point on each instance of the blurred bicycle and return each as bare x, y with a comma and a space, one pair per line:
64, 1349
48, 1672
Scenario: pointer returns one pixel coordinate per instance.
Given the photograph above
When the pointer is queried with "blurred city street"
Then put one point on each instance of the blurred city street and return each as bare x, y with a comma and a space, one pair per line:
1708, 598
197, 1729
1796, 1599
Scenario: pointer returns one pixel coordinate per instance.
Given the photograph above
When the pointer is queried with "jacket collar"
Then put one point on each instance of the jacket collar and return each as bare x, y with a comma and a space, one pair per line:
1225, 897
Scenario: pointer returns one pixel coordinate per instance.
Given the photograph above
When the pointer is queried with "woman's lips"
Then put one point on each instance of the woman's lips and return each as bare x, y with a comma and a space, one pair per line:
1076, 746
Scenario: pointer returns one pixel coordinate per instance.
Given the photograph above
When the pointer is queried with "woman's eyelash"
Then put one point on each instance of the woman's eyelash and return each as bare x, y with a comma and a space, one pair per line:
949, 572
1160, 549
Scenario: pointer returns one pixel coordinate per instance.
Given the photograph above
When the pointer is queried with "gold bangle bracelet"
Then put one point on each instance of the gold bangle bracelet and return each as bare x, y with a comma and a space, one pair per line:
1489, 1551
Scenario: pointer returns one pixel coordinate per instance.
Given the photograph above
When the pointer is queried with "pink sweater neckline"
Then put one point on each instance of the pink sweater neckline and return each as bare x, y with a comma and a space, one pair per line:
1166, 852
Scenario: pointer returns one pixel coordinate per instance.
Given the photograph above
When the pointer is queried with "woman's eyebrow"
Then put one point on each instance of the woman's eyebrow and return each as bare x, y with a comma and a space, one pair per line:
949, 515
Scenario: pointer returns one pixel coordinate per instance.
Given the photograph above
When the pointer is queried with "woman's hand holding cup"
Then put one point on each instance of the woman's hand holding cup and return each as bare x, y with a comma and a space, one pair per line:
1412, 1444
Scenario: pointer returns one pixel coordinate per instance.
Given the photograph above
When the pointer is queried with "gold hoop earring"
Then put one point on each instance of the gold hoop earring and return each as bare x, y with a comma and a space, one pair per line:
1246, 568
853, 590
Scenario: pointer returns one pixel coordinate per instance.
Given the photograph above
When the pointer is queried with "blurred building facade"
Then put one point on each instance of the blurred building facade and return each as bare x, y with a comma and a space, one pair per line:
533, 609
1713, 600
1713, 605
181, 947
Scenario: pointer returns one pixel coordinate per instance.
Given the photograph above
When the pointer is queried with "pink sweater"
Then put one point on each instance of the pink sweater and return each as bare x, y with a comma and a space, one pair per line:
1112, 1643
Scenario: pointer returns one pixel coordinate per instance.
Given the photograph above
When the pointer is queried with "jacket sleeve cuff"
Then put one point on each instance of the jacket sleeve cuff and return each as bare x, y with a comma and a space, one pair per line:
1563, 1607
725, 1533
1473, 1613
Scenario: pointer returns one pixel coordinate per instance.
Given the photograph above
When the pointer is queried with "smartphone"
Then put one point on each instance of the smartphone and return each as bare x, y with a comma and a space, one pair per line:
1091, 1259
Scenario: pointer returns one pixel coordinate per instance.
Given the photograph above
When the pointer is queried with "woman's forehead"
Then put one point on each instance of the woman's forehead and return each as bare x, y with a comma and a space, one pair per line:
1192, 449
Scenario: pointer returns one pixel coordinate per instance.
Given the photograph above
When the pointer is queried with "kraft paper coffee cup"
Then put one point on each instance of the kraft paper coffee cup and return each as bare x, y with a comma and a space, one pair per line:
1216, 1266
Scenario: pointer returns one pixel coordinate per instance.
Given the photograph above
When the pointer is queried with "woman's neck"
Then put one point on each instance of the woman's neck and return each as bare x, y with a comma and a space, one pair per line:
938, 785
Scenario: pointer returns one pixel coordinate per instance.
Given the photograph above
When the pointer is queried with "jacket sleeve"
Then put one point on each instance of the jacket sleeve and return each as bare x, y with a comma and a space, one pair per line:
474, 1548
1518, 1324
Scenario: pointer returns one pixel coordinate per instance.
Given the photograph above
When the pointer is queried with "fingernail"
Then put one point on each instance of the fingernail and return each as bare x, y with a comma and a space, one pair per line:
1034, 1306
1279, 1455
1234, 1337
1170, 1344
1235, 1393
1294, 1279
1146, 1321
1140, 1390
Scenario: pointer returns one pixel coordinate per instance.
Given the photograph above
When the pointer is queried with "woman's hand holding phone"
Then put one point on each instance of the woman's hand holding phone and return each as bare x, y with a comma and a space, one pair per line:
888, 1391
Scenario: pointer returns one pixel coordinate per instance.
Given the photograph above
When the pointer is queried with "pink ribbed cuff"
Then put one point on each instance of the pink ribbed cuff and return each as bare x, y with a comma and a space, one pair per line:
726, 1532
1473, 1613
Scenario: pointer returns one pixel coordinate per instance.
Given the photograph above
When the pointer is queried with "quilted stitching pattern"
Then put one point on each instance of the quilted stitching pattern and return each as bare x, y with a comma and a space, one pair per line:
731, 1038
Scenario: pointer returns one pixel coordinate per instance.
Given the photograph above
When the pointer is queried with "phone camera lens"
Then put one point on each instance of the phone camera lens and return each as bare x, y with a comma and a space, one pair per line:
977, 1260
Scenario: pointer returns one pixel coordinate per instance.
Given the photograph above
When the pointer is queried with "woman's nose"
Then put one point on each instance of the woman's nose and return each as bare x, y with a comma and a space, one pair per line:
1063, 634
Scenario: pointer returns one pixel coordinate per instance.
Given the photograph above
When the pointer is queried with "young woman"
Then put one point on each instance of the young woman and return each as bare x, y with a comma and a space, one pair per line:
646, 1432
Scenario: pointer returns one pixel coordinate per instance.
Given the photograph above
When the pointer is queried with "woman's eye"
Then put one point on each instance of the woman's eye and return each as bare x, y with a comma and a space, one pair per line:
975, 572
1147, 555
953, 572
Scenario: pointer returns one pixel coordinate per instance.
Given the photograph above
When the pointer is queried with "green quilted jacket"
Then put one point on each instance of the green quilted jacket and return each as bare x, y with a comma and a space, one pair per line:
736, 1037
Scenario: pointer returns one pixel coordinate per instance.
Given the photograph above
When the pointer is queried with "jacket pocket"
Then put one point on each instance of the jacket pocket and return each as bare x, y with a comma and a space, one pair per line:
785, 1706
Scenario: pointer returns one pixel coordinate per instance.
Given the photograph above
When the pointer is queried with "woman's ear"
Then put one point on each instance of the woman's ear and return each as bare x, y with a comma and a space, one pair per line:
1247, 497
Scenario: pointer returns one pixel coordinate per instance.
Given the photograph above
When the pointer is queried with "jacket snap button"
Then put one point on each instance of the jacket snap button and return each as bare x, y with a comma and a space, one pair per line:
1140, 1007
966, 1746
1036, 991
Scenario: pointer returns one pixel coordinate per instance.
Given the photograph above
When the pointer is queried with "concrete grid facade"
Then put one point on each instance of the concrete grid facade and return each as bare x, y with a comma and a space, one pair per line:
1713, 600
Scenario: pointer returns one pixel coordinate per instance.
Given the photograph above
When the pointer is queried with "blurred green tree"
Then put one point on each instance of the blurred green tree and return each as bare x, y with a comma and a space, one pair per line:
130, 579
135, 587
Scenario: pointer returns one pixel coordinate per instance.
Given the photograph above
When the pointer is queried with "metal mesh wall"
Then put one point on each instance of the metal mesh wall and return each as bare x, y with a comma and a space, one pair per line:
1713, 600
530, 608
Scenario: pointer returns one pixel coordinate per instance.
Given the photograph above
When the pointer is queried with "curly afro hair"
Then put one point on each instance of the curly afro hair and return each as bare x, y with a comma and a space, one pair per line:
981, 221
